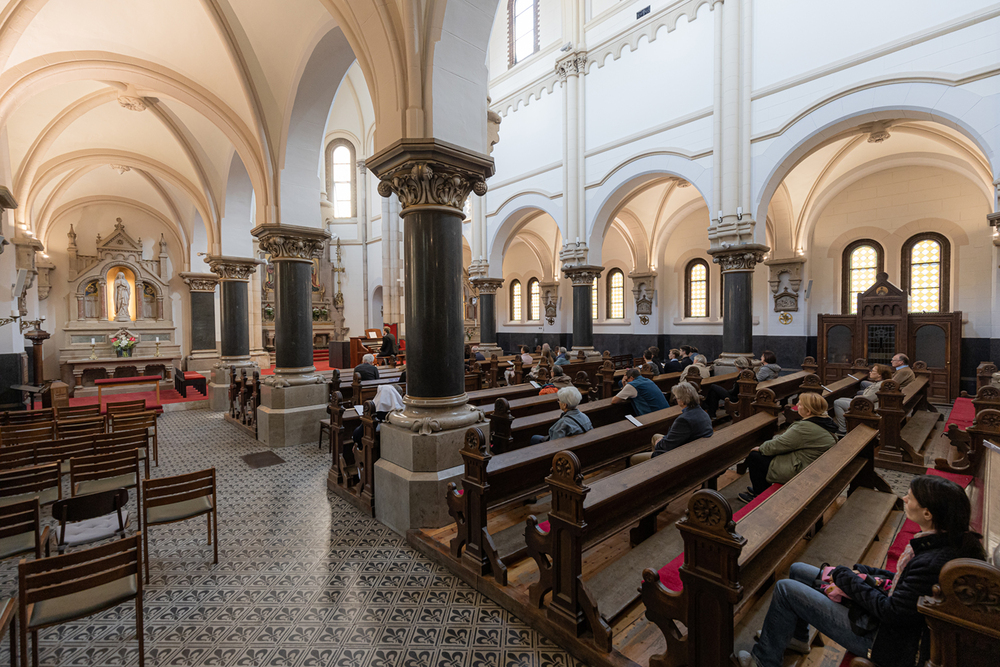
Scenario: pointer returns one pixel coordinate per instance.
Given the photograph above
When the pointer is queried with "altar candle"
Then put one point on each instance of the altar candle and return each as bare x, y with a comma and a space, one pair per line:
157, 339
92, 341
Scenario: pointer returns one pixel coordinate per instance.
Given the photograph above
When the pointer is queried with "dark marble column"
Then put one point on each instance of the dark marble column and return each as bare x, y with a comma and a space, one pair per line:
234, 274
202, 286
432, 181
582, 276
737, 263
488, 313
292, 249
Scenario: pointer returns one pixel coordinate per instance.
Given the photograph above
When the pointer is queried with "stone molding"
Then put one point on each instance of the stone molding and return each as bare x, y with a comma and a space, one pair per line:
573, 65
574, 254
583, 274
788, 299
291, 242
426, 174
644, 291
131, 103
200, 282
232, 268
550, 300
487, 285
743, 257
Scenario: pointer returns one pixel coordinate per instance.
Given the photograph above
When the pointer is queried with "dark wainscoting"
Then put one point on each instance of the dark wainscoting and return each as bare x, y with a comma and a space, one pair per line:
11, 366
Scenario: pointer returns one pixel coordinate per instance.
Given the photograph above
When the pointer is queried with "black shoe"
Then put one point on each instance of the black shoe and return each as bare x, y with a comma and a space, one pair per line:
746, 497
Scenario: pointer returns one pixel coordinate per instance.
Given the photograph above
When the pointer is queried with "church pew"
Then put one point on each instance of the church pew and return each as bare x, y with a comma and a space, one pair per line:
488, 396
783, 387
63, 449
987, 398
984, 374
26, 416
583, 515
508, 433
362, 391
356, 482
735, 562
27, 432
490, 481
843, 388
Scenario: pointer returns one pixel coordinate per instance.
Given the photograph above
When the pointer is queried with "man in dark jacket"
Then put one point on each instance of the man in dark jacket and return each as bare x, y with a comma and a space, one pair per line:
686, 353
673, 363
388, 348
367, 369
692, 424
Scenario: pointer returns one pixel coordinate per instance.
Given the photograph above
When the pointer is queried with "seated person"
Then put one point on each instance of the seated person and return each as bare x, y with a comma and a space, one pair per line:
693, 423
673, 362
544, 362
654, 353
479, 356
878, 374
388, 348
716, 395
525, 364
787, 454
559, 380
903, 374
686, 352
366, 369
563, 357
571, 422
386, 400
769, 367
699, 365
894, 633
645, 396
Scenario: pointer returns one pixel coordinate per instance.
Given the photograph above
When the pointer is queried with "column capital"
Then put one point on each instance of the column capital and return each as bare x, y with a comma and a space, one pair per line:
427, 174
232, 268
487, 285
200, 282
572, 65
583, 274
739, 258
291, 242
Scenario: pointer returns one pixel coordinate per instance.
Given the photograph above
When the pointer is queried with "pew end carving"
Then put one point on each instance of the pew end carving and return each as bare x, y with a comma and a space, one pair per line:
963, 614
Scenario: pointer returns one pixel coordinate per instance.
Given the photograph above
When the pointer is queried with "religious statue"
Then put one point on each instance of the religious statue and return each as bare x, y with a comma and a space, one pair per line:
121, 298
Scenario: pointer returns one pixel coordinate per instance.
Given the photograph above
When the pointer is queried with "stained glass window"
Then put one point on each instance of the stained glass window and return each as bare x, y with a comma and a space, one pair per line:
616, 295
863, 266
523, 19
515, 300
343, 197
593, 299
925, 277
697, 289
534, 301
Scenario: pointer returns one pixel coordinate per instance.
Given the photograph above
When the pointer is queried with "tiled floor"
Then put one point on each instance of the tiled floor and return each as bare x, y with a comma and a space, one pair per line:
302, 579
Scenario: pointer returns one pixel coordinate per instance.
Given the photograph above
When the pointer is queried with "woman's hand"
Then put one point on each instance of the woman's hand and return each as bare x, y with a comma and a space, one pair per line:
755, 449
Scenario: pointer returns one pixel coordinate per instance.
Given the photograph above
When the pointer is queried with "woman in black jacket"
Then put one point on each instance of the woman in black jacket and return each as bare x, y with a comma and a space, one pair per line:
884, 624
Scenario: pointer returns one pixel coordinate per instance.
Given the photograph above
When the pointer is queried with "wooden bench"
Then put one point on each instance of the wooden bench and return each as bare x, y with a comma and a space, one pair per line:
907, 423
185, 379
583, 515
783, 388
356, 482
129, 381
845, 387
490, 481
725, 570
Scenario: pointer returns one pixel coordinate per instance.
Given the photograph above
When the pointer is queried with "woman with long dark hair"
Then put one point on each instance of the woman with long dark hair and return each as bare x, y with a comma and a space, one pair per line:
884, 624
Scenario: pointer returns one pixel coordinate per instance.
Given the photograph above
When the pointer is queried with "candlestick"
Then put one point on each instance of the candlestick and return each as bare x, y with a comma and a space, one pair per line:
93, 349
157, 353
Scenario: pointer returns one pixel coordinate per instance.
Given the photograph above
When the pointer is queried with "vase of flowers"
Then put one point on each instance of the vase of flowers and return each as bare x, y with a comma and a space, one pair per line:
123, 344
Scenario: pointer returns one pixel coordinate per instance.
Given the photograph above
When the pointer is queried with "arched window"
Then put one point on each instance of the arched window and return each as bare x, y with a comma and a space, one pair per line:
515, 301
593, 299
696, 289
340, 190
926, 269
862, 261
616, 295
522, 29
534, 301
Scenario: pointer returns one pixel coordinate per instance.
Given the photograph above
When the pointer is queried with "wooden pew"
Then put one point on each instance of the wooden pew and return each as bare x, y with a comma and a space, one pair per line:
783, 387
984, 374
356, 483
583, 515
724, 569
508, 433
490, 481
845, 387
907, 422
987, 398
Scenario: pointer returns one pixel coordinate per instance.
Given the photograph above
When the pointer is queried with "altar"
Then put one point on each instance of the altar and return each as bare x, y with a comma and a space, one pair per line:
85, 371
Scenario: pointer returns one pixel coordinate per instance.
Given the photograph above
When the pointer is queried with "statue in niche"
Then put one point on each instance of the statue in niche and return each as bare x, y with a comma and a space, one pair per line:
148, 303
90, 304
121, 298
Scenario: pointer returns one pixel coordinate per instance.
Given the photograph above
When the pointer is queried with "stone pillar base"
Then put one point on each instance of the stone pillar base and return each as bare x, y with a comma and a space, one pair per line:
413, 474
218, 384
289, 414
201, 361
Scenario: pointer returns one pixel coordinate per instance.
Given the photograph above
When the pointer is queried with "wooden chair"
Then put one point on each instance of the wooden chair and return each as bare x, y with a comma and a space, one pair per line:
79, 584
42, 483
78, 411
26, 416
178, 498
12, 434
104, 472
21, 530
138, 421
121, 407
8, 623
121, 441
90, 518
89, 425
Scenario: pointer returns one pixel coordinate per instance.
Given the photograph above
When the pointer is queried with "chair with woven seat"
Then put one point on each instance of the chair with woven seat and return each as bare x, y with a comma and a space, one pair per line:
21, 530
178, 498
43, 482
135, 421
91, 517
82, 583
105, 472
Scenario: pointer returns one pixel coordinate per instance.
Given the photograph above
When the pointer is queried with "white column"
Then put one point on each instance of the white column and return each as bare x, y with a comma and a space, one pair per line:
387, 278
361, 195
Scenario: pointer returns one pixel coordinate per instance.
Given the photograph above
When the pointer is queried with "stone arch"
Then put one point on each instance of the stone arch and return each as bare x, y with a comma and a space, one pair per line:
838, 113
237, 214
173, 226
511, 215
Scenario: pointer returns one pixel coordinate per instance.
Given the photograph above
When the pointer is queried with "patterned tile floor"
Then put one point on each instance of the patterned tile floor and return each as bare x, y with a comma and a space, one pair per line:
303, 579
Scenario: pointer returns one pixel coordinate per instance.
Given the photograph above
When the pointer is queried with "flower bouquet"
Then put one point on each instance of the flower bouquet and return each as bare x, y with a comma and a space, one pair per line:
123, 344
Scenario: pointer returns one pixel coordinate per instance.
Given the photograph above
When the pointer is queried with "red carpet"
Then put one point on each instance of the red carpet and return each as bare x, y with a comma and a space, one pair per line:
166, 396
962, 414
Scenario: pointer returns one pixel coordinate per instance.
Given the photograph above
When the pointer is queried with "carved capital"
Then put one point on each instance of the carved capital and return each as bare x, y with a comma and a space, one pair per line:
232, 268
743, 257
200, 282
572, 65
291, 242
132, 103
487, 285
429, 174
583, 274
